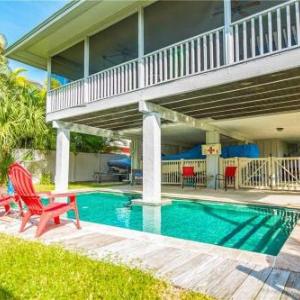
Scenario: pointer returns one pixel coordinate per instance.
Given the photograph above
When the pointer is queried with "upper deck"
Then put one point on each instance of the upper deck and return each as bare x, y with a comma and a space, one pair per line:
260, 44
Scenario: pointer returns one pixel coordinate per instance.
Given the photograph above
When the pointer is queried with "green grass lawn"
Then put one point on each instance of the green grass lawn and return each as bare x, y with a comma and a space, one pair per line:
77, 185
31, 270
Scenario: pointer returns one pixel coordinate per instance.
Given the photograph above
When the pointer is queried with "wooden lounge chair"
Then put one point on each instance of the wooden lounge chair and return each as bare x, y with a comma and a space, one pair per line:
22, 183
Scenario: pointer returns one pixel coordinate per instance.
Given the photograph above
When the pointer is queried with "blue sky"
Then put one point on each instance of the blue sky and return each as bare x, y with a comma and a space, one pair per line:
17, 17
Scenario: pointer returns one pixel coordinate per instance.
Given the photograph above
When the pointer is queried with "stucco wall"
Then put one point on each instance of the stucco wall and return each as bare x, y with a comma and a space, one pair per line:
82, 165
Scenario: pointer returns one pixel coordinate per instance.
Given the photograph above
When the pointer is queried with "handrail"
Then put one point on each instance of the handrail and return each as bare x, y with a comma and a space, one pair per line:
114, 67
67, 84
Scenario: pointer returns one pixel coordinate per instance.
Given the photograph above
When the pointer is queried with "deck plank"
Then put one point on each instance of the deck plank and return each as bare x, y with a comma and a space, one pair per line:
224, 289
211, 277
274, 285
188, 266
182, 259
159, 258
92, 241
250, 288
292, 287
187, 279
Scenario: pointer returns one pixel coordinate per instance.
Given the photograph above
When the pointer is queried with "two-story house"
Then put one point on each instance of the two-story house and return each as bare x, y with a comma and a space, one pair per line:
163, 72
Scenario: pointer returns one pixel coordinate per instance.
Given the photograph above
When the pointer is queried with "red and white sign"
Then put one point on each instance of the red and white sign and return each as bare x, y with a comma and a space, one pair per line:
211, 149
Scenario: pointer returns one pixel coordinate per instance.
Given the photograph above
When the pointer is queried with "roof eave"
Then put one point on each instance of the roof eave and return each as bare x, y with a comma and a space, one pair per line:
11, 50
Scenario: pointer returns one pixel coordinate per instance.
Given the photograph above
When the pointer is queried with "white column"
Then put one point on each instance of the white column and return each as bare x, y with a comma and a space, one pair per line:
48, 106
86, 67
212, 161
62, 160
151, 158
141, 45
228, 33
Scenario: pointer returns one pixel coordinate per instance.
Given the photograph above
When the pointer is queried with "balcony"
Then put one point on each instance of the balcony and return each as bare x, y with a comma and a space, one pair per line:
268, 32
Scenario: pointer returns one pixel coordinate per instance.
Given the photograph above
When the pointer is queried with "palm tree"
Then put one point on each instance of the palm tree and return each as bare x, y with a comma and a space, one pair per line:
22, 113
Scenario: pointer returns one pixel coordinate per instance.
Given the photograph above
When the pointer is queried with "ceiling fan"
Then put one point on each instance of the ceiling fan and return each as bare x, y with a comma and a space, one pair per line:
239, 7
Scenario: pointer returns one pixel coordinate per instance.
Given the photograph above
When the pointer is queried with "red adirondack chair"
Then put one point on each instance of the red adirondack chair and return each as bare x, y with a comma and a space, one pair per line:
188, 175
229, 176
5, 201
22, 183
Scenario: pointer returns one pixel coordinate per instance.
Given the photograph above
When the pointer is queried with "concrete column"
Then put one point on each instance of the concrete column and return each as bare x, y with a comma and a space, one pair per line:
151, 158
212, 161
228, 32
141, 46
136, 153
48, 106
86, 67
62, 160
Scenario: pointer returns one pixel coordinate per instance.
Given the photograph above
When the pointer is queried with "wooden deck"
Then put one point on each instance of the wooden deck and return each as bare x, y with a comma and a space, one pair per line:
187, 267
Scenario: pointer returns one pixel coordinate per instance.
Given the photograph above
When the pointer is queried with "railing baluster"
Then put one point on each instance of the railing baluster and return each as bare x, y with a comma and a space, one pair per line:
171, 61
237, 43
187, 58
245, 45
211, 52
192, 56
253, 37
181, 60
165, 65
176, 62
205, 53
261, 36
279, 29
199, 54
134, 75
218, 48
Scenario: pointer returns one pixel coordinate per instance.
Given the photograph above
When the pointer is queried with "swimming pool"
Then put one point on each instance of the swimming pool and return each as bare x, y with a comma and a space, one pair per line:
253, 228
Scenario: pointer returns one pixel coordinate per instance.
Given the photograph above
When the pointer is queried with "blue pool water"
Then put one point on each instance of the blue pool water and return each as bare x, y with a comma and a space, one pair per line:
253, 228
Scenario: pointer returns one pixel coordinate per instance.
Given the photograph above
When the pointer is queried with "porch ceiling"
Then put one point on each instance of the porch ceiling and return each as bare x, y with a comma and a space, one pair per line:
277, 92
262, 95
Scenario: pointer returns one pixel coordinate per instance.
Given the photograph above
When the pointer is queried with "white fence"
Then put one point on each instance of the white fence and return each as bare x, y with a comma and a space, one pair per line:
277, 173
171, 170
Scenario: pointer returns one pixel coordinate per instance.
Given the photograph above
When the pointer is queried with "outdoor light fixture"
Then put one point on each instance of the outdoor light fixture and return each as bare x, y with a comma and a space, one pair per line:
279, 129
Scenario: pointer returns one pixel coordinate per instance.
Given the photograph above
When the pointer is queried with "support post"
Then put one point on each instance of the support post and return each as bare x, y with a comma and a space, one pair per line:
86, 68
151, 158
141, 46
48, 107
228, 33
212, 161
62, 160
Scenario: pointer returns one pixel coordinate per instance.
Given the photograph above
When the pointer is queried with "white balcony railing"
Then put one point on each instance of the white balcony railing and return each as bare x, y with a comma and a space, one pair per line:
113, 81
195, 55
272, 30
